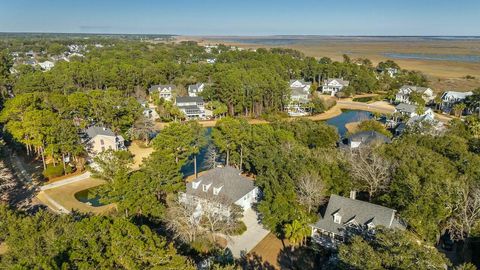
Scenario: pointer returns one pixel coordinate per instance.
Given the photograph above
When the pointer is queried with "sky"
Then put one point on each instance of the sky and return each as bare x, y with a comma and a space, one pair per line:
243, 17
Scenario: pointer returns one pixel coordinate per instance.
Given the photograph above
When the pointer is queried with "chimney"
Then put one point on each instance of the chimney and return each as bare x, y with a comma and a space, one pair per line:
353, 194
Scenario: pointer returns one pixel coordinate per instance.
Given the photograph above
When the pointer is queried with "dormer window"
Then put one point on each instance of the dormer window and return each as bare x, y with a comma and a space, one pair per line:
196, 184
371, 225
217, 190
337, 218
206, 187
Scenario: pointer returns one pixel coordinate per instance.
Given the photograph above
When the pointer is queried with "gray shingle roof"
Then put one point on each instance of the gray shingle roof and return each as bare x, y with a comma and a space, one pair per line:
157, 87
406, 108
359, 211
369, 136
414, 88
235, 186
298, 91
94, 131
340, 81
194, 87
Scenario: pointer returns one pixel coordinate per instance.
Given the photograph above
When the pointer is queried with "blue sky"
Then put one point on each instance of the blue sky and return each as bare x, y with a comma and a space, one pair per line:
247, 17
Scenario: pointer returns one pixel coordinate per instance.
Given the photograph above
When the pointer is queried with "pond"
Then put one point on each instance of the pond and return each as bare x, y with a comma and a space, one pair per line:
346, 117
339, 122
88, 197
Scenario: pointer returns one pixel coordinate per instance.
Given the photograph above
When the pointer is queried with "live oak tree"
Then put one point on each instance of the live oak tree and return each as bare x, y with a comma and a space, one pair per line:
389, 249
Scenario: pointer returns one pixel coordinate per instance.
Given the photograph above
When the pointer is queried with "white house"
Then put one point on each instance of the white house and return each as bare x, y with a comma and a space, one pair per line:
410, 110
222, 184
299, 97
403, 94
164, 91
347, 216
333, 86
192, 107
449, 98
195, 89
99, 139
46, 65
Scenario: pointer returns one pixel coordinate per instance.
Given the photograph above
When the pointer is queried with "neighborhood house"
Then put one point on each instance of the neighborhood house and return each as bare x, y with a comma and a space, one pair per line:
192, 107
195, 89
363, 138
164, 91
222, 184
299, 97
100, 139
346, 216
403, 94
450, 98
333, 86
411, 110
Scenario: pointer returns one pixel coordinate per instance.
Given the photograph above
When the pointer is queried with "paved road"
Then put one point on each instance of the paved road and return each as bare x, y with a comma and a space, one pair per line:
66, 181
250, 238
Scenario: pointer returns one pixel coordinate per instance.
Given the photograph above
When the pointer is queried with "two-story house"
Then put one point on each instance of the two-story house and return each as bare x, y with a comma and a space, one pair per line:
299, 97
164, 91
333, 86
411, 110
347, 216
99, 139
450, 98
195, 89
403, 94
223, 185
192, 107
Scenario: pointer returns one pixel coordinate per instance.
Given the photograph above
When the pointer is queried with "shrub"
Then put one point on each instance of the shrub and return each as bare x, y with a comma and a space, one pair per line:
69, 169
53, 171
240, 228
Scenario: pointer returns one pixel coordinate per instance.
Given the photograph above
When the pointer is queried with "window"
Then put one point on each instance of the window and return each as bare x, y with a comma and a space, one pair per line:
206, 187
102, 142
217, 190
337, 218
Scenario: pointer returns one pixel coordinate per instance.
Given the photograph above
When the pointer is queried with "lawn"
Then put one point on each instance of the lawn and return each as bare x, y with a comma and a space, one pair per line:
65, 196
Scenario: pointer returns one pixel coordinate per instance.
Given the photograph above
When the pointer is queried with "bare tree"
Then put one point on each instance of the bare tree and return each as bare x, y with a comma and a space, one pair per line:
7, 182
369, 170
182, 220
142, 129
211, 157
465, 212
219, 216
310, 190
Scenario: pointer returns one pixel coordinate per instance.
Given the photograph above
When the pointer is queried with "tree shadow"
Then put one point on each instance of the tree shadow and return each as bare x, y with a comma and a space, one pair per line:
302, 257
254, 261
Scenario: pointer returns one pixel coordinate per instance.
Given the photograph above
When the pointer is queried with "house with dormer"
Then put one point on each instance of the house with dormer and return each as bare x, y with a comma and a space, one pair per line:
346, 216
225, 185
403, 94
333, 86
164, 91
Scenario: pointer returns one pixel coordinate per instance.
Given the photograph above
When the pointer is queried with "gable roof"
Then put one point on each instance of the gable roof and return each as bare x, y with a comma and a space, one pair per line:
362, 212
407, 108
234, 185
94, 131
419, 89
368, 137
157, 87
340, 81
195, 87
456, 95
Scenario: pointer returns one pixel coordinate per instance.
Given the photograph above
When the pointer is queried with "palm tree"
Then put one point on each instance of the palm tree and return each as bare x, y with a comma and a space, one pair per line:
296, 233
458, 109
